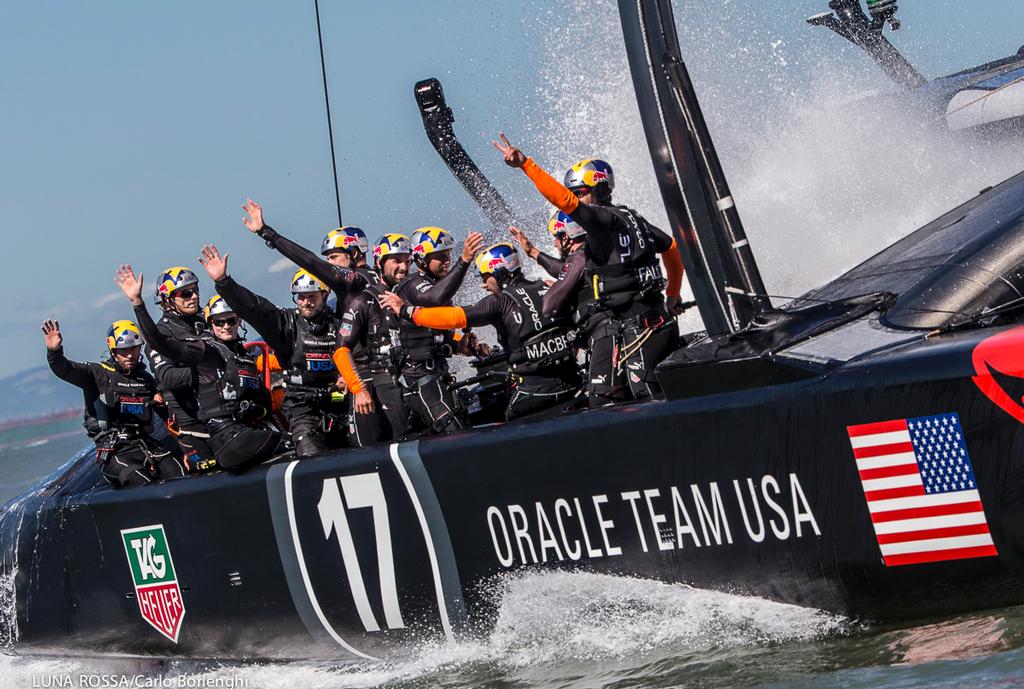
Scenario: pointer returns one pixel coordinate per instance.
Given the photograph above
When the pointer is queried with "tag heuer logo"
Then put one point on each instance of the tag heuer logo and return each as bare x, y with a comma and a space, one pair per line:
156, 584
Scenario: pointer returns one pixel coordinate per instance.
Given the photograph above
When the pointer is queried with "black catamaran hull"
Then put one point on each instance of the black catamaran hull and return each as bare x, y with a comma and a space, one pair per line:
364, 552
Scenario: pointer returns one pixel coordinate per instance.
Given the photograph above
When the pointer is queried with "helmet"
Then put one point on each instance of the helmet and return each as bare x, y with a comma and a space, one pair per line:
390, 245
345, 239
429, 240
122, 335
562, 224
590, 173
500, 260
304, 282
173, 279
216, 307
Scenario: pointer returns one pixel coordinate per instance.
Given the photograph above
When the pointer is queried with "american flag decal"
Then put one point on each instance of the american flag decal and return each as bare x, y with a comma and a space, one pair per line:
920, 488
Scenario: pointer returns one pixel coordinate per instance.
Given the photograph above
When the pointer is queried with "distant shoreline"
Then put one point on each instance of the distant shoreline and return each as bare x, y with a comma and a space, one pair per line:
36, 419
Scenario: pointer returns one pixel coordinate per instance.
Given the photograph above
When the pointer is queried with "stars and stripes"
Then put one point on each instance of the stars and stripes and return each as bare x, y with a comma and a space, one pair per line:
921, 491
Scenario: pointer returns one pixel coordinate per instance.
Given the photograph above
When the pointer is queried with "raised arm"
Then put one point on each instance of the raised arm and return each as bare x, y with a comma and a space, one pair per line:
551, 265
74, 372
187, 352
341, 280
260, 313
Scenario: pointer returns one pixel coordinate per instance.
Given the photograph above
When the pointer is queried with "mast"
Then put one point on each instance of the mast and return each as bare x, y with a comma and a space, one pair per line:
327, 104
719, 262
849, 21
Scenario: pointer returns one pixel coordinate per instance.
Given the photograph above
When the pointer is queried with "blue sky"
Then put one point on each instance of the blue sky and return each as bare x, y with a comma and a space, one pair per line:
132, 131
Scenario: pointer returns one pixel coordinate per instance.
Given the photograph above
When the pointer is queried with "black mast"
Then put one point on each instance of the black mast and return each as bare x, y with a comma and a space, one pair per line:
720, 265
327, 102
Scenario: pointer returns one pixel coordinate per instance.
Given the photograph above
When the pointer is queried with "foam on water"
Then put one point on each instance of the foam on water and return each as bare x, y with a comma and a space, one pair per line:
546, 622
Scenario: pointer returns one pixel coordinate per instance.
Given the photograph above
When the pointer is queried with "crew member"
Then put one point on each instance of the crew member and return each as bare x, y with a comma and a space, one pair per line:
543, 371
304, 339
344, 270
177, 293
623, 270
370, 353
424, 371
128, 395
233, 403
551, 265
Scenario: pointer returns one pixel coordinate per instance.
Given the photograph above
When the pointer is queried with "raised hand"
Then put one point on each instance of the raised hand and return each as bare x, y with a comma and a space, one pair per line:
216, 265
390, 300
254, 218
513, 156
471, 247
51, 335
129, 284
524, 241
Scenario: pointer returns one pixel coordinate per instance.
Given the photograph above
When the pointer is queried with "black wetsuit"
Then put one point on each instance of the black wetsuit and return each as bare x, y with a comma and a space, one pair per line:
623, 271
232, 400
542, 358
175, 380
304, 347
424, 373
123, 418
366, 328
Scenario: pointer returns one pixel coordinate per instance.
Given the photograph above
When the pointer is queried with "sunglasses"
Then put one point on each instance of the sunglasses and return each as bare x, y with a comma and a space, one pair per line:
186, 293
580, 191
224, 322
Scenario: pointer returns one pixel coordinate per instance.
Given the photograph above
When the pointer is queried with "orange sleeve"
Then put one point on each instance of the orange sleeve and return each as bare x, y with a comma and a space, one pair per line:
674, 267
440, 317
343, 360
550, 188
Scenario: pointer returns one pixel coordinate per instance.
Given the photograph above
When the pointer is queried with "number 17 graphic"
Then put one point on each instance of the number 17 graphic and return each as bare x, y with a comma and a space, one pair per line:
362, 490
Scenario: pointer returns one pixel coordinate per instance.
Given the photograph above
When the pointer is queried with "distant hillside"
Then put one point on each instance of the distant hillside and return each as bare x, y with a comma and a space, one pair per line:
36, 391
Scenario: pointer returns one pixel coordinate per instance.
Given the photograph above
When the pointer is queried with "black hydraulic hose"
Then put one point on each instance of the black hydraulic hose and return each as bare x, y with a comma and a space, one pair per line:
327, 103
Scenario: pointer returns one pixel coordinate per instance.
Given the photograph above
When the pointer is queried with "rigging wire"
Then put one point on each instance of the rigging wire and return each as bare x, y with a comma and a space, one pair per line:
327, 103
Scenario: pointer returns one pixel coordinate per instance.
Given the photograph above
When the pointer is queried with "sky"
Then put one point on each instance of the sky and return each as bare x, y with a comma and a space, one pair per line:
133, 131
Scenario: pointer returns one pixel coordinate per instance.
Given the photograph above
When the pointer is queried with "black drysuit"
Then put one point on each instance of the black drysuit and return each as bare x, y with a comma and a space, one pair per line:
304, 348
231, 400
123, 414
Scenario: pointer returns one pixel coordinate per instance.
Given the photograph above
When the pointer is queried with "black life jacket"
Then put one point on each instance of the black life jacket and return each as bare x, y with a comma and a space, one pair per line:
237, 388
311, 364
419, 344
125, 399
182, 402
539, 341
633, 272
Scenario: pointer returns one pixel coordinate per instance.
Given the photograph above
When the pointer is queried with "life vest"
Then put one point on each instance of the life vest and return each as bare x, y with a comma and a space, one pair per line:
126, 398
311, 365
416, 343
540, 341
633, 271
238, 391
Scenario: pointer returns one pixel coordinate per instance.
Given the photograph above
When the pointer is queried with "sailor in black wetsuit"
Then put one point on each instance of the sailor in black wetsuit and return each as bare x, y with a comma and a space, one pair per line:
623, 270
370, 353
304, 339
177, 293
344, 270
127, 397
424, 372
233, 402
542, 362
551, 265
